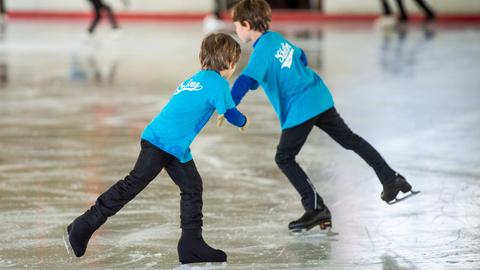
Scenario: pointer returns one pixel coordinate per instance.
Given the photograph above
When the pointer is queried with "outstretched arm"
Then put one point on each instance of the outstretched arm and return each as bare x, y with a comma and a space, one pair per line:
235, 118
241, 87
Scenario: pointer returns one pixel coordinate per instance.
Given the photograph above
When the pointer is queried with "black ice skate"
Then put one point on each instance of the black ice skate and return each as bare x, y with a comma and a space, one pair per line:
192, 249
391, 190
80, 231
320, 216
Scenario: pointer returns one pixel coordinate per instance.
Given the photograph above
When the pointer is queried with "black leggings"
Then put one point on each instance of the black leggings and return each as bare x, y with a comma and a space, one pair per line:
98, 7
403, 14
292, 140
150, 162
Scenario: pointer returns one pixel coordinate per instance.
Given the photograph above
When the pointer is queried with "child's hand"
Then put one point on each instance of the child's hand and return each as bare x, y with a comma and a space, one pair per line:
242, 129
220, 120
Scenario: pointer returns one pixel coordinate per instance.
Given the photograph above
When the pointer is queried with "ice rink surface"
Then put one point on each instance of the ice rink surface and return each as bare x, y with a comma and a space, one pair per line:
72, 110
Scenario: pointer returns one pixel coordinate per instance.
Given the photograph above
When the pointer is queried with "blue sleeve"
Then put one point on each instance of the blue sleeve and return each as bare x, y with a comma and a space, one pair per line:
223, 99
241, 87
303, 58
235, 117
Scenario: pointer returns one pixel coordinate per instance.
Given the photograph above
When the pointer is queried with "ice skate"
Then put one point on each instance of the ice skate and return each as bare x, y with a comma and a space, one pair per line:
80, 231
67, 244
391, 190
193, 250
320, 216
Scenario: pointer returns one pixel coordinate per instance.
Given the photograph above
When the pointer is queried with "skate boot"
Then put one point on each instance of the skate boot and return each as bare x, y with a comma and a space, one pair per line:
320, 216
193, 249
391, 190
80, 231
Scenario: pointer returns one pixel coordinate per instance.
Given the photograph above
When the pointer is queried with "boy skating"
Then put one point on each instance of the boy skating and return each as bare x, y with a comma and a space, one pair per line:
301, 101
165, 144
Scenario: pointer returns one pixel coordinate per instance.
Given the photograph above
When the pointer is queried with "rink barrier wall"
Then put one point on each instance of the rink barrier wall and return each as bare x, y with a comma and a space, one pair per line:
277, 16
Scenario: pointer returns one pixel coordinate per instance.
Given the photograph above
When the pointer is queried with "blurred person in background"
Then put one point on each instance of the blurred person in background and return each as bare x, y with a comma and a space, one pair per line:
3, 12
389, 20
99, 6
3, 20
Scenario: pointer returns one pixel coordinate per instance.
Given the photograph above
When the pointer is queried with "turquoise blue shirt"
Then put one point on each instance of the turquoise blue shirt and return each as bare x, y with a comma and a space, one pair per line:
295, 91
189, 109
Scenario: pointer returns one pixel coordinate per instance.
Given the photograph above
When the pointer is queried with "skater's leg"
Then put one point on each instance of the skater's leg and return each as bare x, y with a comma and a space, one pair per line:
191, 246
187, 178
3, 15
316, 213
387, 20
331, 122
403, 12
94, 22
149, 163
387, 11
291, 142
111, 16
97, 7
429, 14
218, 9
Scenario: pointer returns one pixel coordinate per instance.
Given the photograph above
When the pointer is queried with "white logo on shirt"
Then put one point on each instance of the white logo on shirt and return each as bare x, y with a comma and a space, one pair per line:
284, 55
189, 85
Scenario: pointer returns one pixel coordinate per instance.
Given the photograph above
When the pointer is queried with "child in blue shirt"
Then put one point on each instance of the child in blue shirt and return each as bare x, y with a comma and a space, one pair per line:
301, 100
165, 144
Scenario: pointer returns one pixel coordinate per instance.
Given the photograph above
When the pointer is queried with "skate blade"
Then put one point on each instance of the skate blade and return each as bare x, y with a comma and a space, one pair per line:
68, 247
323, 232
298, 232
397, 200
202, 266
331, 233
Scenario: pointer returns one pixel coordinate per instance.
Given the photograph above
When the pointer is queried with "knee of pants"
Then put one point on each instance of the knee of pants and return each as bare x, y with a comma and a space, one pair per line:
283, 158
132, 186
191, 188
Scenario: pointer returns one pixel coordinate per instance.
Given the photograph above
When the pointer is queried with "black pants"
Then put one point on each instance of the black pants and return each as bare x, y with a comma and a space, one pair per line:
98, 7
292, 140
149, 164
403, 14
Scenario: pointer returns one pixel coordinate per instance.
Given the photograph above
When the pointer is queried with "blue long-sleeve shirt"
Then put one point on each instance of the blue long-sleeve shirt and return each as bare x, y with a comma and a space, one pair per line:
235, 117
245, 83
295, 91
241, 87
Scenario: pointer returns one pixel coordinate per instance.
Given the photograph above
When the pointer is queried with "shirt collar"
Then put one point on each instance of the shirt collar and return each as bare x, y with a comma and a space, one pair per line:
213, 71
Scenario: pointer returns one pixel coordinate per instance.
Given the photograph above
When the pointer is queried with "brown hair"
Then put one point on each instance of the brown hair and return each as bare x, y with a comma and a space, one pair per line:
218, 51
256, 12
